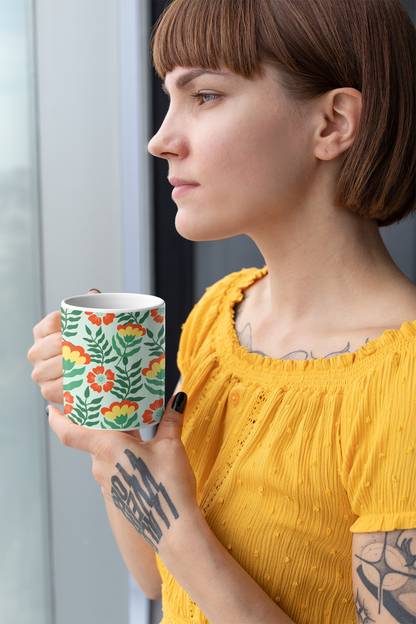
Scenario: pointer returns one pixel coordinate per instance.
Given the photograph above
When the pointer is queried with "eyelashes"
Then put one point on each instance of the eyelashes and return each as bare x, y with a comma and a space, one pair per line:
211, 97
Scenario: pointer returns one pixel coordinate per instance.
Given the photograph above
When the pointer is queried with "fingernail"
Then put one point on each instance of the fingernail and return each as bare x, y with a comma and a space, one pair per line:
99, 291
47, 411
179, 402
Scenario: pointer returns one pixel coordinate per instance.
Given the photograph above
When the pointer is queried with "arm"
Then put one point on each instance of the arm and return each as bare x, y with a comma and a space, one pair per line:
152, 485
138, 555
384, 577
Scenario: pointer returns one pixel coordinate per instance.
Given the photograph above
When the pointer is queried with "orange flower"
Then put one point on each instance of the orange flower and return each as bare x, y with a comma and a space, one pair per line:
154, 414
126, 408
99, 379
75, 354
156, 368
96, 317
131, 331
68, 399
156, 316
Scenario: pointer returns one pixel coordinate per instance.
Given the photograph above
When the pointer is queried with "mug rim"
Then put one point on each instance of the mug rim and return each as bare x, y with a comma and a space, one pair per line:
149, 302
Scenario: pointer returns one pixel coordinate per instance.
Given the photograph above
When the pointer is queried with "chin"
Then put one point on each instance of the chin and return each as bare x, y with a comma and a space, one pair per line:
198, 231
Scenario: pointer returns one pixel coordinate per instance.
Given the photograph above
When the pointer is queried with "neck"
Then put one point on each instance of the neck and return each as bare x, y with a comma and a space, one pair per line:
324, 266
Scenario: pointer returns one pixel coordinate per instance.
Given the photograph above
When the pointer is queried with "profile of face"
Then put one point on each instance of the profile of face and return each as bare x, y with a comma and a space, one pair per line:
239, 151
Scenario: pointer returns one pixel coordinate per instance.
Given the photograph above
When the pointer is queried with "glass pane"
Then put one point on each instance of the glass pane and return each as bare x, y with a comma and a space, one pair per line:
24, 541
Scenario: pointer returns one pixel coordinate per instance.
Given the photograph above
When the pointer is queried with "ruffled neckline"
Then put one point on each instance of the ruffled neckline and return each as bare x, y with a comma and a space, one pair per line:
371, 351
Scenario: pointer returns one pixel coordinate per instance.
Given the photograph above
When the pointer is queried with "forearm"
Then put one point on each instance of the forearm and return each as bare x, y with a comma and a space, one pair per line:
138, 555
220, 587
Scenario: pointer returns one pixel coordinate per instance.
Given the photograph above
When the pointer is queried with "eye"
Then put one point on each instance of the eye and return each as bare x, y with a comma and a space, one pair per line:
205, 98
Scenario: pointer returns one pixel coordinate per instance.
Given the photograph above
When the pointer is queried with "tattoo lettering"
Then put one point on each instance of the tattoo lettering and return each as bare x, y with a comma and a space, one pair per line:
388, 571
245, 338
140, 497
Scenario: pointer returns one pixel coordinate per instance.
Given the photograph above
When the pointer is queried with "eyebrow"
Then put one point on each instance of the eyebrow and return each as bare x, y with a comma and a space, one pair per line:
191, 75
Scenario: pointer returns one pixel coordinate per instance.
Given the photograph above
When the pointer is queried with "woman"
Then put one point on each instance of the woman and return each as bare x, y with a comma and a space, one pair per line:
292, 122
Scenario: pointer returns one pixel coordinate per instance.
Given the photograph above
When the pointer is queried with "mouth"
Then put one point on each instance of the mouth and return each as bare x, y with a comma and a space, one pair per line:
182, 186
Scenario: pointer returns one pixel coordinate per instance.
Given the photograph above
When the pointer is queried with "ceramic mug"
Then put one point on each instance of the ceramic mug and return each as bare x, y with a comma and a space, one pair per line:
113, 357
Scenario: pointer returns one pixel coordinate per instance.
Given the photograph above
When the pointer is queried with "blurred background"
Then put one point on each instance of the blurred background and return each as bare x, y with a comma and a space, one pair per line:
83, 206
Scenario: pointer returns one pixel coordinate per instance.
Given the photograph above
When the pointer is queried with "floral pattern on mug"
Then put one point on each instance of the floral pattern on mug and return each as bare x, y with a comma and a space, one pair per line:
100, 380
154, 414
96, 317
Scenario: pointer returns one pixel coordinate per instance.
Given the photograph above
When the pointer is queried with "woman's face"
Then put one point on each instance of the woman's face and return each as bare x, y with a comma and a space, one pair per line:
239, 152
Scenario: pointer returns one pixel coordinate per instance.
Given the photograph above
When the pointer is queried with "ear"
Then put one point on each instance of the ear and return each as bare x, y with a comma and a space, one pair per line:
339, 114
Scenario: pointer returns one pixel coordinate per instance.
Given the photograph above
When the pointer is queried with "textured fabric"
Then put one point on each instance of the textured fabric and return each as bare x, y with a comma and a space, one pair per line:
314, 450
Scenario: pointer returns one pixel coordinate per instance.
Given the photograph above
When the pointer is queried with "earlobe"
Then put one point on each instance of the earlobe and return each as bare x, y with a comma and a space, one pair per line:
340, 114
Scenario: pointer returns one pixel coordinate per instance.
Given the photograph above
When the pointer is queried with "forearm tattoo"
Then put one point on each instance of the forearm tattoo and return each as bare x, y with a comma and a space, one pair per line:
386, 568
137, 494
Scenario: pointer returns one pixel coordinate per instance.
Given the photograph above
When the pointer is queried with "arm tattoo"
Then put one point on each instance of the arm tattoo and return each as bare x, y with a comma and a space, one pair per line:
141, 495
245, 339
387, 569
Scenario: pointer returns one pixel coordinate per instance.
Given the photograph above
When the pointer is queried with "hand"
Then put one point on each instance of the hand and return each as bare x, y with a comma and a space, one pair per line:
46, 357
150, 482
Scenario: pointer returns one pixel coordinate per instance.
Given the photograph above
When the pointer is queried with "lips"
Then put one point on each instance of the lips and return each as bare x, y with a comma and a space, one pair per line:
182, 186
180, 182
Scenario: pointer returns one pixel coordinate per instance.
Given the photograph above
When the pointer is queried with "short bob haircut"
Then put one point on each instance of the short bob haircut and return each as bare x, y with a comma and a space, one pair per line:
317, 46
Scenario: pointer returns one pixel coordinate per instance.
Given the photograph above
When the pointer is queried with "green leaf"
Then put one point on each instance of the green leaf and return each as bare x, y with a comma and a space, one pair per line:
117, 350
118, 394
67, 364
150, 334
111, 360
75, 313
137, 399
131, 421
91, 423
75, 373
160, 333
102, 425
135, 373
72, 419
155, 391
130, 353
121, 371
105, 345
87, 392
87, 329
73, 385
69, 334
96, 401
122, 383
112, 424
136, 385
125, 360
157, 382
99, 332
121, 341
136, 364
144, 317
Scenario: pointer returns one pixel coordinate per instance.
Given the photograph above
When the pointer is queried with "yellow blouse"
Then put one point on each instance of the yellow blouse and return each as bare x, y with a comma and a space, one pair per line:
314, 450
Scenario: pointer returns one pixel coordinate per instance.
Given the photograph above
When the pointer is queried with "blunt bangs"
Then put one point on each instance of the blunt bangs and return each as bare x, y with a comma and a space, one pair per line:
209, 34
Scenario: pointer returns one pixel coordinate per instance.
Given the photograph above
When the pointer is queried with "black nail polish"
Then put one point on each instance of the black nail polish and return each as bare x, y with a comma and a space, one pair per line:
95, 289
47, 411
179, 402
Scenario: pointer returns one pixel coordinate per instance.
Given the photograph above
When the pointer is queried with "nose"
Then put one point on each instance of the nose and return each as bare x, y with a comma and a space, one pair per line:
168, 142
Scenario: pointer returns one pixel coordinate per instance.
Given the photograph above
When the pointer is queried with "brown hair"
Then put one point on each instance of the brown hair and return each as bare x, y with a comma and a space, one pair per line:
317, 46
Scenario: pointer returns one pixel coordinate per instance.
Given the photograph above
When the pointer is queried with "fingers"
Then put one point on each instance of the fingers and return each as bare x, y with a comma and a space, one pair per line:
172, 420
72, 435
49, 325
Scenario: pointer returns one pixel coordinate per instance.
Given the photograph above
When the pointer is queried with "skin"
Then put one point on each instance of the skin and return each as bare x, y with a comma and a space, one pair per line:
262, 165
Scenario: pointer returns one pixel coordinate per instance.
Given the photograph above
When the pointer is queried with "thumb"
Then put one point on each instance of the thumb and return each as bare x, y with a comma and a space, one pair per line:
172, 420
94, 290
